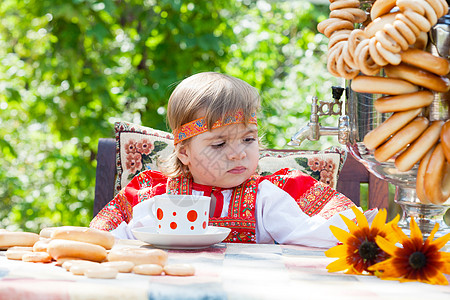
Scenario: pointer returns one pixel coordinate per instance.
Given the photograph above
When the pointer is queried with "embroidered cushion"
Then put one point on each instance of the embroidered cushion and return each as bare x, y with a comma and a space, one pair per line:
138, 148
323, 166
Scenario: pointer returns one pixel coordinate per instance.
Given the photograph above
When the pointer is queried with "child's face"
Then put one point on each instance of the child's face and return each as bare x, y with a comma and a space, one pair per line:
223, 157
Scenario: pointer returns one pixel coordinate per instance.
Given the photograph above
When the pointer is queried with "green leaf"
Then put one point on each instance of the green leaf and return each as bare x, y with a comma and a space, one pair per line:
146, 159
159, 146
302, 161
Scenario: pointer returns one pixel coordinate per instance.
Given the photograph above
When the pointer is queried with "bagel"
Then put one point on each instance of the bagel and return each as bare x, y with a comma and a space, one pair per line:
23, 239
359, 15
67, 264
376, 57
139, 256
121, 266
17, 252
179, 270
387, 42
405, 32
378, 24
382, 85
343, 4
78, 268
420, 177
402, 18
437, 177
426, 61
394, 123
337, 25
445, 139
85, 234
403, 102
420, 21
363, 59
418, 76
410, 4
395, 35
342, 14
148, 269
381, 7
401, 139
66, 248
437, 6
37, 257
391, 57
41, 245
63, 260
339, 36
408, 158
48, 231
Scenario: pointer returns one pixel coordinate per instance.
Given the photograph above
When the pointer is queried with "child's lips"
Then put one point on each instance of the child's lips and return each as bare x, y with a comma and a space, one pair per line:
237, 170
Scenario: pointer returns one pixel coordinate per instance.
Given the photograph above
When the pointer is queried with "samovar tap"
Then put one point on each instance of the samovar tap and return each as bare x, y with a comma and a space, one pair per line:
314, 130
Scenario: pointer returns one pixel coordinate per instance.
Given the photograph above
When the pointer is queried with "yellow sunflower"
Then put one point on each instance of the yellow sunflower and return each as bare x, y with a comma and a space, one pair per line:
359, 250
416, 260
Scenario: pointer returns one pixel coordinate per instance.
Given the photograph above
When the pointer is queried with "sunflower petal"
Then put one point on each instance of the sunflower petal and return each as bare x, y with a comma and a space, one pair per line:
337, 251
352, 227
433, 232
386, 267
340, 234
400, 234
338, 265
390, 278
392, 236
441, 241
440, 279
385, 245
433, 276
416, 234
379, 220
445, 268
394, 221
379, 266
360, 217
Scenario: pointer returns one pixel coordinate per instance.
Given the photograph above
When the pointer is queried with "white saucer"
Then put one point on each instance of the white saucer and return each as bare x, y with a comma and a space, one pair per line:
213, 235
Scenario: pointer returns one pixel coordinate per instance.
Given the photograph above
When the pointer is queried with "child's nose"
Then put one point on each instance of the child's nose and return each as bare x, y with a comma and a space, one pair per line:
236, 153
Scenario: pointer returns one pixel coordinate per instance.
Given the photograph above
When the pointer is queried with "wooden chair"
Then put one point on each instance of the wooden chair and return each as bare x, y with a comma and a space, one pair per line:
352, 175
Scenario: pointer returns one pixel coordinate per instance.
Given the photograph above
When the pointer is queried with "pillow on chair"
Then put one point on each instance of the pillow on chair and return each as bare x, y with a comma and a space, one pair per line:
323, 166
138, 148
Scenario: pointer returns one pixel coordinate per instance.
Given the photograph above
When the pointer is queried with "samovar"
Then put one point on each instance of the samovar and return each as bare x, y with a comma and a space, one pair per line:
360, 117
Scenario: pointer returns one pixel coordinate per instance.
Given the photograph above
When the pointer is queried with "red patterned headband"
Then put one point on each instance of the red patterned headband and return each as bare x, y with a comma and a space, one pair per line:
198, 126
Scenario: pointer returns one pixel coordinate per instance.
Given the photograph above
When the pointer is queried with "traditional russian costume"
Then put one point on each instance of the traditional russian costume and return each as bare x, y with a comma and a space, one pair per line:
286, 207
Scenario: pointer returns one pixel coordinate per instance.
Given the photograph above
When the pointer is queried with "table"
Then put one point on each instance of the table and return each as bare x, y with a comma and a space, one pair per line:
223, 271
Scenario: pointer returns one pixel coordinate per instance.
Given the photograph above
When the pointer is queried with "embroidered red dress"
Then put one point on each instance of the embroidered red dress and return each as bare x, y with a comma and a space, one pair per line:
312, 196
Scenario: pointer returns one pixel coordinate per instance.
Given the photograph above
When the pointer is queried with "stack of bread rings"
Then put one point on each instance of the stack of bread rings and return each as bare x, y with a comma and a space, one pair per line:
393, 37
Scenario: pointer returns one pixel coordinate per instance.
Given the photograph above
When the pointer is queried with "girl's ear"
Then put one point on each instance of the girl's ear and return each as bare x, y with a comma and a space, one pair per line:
183, 154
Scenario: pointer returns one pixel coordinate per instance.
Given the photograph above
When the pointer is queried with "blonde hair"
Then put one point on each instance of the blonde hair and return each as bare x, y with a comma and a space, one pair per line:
210, 95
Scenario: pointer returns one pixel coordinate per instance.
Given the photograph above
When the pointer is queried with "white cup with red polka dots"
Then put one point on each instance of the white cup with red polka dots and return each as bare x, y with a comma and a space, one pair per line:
181, 214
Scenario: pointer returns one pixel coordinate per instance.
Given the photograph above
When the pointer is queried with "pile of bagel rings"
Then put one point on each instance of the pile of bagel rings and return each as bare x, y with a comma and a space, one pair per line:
87, 251
392, 39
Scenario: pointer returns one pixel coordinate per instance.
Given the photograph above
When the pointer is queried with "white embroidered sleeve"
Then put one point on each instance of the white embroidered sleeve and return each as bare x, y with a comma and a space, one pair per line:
280, 219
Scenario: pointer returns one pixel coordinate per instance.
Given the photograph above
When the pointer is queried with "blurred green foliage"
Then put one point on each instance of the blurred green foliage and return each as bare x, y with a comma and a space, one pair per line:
71, 68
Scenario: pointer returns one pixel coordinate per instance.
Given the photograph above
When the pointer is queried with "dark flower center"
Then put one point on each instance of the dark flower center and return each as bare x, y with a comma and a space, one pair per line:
368, 250
417, 260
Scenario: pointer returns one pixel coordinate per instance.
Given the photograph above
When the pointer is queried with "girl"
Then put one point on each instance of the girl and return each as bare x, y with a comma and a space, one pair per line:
213, 118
